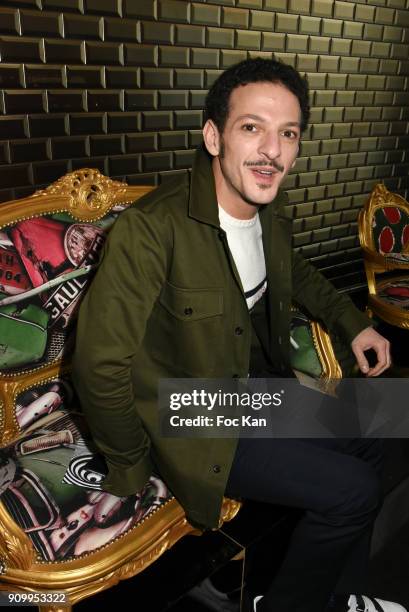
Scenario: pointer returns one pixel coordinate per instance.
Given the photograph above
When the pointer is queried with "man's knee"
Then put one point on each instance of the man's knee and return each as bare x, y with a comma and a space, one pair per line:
364, 494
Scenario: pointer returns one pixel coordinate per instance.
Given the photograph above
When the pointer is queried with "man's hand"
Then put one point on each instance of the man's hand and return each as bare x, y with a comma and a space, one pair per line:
368, 338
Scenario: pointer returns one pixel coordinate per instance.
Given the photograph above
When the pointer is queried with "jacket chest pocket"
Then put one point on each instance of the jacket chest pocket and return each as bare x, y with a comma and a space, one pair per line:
192, 304
186, 332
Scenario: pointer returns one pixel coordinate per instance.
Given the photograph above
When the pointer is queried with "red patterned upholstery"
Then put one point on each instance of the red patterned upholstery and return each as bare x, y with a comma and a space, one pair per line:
384, 238
390, 229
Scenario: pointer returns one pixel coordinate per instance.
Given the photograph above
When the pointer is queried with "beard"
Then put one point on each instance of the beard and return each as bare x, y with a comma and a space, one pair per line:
262, 186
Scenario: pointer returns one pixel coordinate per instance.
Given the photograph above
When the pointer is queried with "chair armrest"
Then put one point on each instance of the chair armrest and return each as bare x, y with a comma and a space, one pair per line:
312, 352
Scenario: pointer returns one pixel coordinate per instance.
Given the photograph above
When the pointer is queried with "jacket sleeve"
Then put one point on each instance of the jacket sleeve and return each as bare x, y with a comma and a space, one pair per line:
337, 311
111, 326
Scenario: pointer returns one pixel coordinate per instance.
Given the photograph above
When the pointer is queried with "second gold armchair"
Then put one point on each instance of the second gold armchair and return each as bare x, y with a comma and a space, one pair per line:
384, 238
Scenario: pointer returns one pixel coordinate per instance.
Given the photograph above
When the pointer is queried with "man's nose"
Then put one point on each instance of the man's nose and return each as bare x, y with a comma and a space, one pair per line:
270, 145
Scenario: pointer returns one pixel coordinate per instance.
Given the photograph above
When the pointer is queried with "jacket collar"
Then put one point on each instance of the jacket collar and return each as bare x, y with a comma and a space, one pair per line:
203, 200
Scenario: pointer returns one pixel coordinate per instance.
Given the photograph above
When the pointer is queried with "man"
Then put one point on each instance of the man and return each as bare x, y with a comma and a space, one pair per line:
197, 281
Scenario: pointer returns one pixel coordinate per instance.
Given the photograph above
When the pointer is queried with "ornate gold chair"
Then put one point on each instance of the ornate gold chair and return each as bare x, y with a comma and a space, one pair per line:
58, 531
384, 238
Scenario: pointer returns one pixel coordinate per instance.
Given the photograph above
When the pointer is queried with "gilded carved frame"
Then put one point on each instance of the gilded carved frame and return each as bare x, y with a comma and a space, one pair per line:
87, 196
376, 263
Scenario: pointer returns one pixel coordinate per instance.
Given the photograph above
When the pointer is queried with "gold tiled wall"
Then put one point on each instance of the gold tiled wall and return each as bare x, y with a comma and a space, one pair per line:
120, 85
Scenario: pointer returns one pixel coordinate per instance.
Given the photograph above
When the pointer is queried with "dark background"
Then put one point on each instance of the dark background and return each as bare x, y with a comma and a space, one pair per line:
120, 84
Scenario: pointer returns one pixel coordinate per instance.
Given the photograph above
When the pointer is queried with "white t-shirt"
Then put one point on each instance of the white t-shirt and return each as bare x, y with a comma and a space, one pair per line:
244, 237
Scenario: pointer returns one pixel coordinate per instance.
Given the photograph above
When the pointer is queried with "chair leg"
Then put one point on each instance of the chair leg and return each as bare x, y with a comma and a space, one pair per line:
55, 608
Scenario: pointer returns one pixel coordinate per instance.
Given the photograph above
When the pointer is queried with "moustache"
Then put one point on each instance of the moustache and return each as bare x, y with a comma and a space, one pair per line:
273, 164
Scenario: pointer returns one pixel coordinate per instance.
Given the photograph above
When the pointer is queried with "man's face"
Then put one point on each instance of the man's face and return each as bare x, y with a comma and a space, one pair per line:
257, 148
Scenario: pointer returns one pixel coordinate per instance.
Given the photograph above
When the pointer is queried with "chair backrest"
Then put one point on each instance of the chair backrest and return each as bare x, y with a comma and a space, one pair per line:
49, 471
384, 222
49, 248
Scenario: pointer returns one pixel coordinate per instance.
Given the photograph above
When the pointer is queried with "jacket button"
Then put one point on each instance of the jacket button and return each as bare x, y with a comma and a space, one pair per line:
238, 331
216, 469
188, 311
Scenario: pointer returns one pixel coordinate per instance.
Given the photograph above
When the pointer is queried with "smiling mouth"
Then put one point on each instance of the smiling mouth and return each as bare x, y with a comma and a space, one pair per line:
263, 173
266, 172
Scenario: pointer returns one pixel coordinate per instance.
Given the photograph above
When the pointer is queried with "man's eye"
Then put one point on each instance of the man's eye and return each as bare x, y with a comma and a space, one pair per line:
249, 127
290, 134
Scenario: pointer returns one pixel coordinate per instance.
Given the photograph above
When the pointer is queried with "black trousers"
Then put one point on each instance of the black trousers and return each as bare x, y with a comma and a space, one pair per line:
336, 483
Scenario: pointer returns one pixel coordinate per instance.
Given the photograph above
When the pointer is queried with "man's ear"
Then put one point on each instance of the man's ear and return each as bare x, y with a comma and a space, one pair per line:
211, 138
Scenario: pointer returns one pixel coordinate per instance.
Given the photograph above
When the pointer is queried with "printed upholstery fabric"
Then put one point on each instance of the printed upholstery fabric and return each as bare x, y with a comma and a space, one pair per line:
303, 353
46, 263
390, 226
50, 479
395, 292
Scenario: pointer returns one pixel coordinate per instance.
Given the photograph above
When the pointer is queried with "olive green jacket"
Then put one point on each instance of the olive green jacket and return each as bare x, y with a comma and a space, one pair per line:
165, 303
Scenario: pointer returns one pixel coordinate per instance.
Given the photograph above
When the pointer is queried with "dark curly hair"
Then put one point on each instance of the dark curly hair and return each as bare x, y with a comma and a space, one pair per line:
255, 70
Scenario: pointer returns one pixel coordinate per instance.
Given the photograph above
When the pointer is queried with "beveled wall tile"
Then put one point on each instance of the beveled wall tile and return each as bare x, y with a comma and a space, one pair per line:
174, 56
286, 23
141, 143
331, 27
322, 8
34, 23
206, 15
204, 58
364, 13
84, 76
190, 35
142, 9
123, 122
235, 18
273, 41
262, 20
173, 10
48, 125
173, 99
17, 102
106, 53
121, 85
247, 40
249, 3
220, 38
301, 7
64, 52
66, 101
13, 127
141, 99
275, 5
156, 32
83, 123
103, 7
15, 50
79, 26
40, 76
297, 42
117, 77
